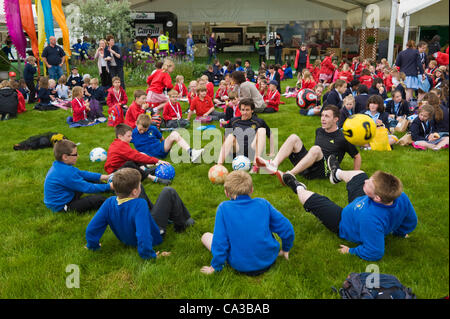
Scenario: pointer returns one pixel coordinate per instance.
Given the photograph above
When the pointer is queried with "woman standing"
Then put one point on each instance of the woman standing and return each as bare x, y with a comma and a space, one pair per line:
102, 64
409, 62
190, 47
212, 48
262, 49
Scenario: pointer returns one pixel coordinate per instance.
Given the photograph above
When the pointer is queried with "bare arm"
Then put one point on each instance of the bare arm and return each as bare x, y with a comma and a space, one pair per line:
357, 162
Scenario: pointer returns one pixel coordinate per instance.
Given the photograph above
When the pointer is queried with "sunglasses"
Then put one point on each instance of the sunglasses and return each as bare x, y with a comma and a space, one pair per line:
76, 154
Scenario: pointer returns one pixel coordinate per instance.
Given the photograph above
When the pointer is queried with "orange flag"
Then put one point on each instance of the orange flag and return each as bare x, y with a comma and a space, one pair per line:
26, 15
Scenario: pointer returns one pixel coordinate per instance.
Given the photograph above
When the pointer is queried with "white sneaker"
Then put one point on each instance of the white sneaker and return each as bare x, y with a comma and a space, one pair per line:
196, 154
267, 164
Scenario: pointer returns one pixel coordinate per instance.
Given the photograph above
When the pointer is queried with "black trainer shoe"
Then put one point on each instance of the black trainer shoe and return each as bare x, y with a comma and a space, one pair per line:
163, 181
181, 228
292, 182
333, 166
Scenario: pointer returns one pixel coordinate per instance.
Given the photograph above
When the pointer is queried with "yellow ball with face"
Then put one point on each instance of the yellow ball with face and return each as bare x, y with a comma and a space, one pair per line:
359, 129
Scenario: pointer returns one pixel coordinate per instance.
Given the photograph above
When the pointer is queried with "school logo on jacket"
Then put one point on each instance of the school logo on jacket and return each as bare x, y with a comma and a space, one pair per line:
360, 205
332, 141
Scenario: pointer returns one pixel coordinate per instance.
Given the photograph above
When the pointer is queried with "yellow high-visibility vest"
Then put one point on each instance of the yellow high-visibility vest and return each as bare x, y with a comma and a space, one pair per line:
163, 42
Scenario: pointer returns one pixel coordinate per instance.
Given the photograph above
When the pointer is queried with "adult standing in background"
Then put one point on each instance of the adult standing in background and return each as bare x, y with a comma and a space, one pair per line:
102, 64
278, 49
434, 45
409, 62
54, 57
114, 60
163, 43
190, 47
262, 49
212, 47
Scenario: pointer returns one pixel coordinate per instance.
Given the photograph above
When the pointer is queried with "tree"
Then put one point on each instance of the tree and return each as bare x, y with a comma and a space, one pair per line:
101, 17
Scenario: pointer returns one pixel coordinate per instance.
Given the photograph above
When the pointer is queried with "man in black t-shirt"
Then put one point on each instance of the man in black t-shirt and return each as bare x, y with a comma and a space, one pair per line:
54, 57
248, 129
312, 164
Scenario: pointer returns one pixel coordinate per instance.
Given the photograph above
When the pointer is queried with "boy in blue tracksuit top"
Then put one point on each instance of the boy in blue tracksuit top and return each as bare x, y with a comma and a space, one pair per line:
243, 230
65, 184
377, 207
128, 216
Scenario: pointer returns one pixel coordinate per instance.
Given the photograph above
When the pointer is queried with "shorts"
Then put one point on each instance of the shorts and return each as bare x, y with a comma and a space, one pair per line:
256, 272
330, 213
318, 170
157, 150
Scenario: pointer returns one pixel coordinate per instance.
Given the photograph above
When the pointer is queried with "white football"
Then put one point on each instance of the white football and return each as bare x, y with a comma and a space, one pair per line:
241, 162
98, 154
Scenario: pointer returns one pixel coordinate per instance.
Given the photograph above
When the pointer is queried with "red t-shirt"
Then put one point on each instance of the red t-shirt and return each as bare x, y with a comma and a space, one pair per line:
210, 89
132, 114
201, 107
308, 85
272, 99
120, 152
366, 80
160, 81
181, 88
21, 102
220, 93
79, 110
115, 97
346, 76
172, 111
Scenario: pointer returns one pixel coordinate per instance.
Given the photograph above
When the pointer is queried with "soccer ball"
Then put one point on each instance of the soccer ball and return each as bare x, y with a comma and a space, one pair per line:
166, 171
217, 174
306, 98
98, 154
359, 129
241, 162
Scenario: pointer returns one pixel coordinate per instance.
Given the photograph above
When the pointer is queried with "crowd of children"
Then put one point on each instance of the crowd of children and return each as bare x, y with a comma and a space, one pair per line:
357, 87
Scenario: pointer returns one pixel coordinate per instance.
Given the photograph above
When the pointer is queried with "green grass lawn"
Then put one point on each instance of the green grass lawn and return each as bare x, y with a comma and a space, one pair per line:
38, 245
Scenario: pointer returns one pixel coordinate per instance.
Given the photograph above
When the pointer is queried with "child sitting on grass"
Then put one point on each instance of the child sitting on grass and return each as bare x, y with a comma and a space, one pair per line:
272, 98
65, 184
80, 107
243, 230
62, 90
172, 113
423, 133
120, 154
347, 110
180, 87
203, 106
138, 107
148, 140
132, 220
221, 95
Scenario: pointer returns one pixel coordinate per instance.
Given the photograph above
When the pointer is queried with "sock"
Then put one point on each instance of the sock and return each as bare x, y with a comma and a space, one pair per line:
338, 173
156, 180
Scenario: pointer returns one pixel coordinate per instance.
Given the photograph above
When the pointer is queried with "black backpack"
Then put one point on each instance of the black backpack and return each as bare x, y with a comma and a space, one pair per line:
8, 101
355, 287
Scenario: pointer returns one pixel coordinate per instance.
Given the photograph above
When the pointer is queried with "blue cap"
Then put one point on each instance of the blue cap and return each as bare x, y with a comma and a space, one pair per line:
273, 82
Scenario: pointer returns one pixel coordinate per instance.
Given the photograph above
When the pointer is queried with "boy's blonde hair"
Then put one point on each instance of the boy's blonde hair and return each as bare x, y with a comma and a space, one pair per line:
76, 91
167, 63
144, 120
192, 84
238, 183
201, 88
179, 78
172, 93
94, 80
31, 59
232, 95
114, 79
125, 180
387, 186
51, 82
349, 98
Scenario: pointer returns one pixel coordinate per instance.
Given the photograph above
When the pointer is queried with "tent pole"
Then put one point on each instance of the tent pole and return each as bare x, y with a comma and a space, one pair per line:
406, 31
394, 12
267, 40
341, 37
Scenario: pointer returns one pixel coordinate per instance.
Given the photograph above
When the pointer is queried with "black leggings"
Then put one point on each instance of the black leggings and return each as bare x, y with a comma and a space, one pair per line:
84, 204
170, 206
330, 213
